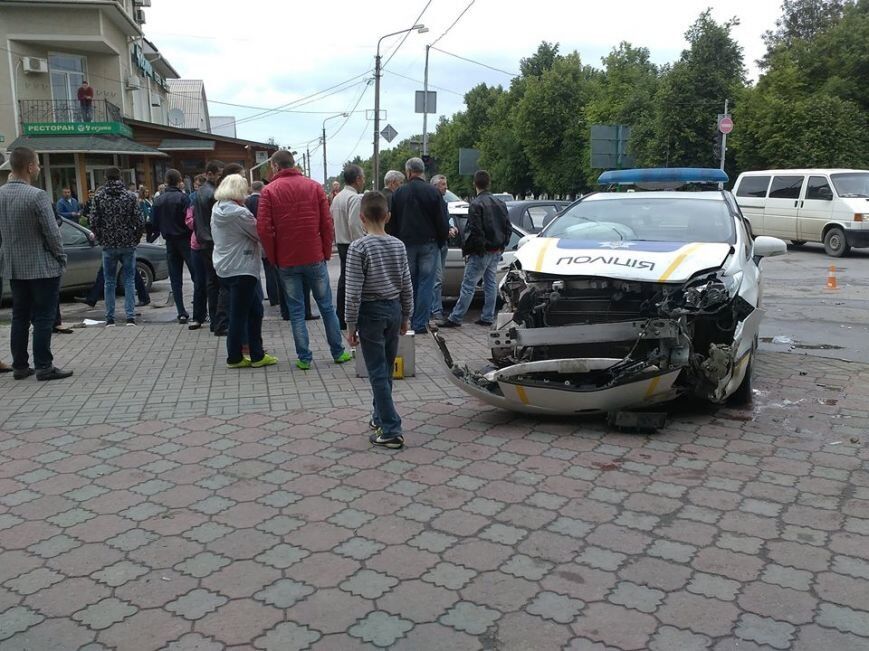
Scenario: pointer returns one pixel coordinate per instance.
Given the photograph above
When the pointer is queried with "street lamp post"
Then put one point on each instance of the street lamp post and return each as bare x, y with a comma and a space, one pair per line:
422, 29
325, 164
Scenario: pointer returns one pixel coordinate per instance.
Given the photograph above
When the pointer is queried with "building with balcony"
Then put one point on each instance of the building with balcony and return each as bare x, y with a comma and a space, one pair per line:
48, 49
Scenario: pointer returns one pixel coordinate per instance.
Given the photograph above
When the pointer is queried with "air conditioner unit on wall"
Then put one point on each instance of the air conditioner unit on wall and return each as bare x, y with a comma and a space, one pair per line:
156, 100
133, 82
34, 64
139, 16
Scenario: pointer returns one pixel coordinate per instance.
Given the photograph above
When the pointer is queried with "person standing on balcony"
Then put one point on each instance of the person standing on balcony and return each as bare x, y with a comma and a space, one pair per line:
86, 101
68, 206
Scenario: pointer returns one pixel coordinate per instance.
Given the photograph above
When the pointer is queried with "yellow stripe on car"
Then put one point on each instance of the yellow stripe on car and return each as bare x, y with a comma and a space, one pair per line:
686, 251
541, 255
653, 386
523, 397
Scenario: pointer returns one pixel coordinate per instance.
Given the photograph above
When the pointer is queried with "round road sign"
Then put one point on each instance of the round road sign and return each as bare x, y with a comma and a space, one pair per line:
725, 124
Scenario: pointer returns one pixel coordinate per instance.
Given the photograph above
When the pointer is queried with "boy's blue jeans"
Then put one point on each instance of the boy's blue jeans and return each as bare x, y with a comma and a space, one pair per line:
378, 328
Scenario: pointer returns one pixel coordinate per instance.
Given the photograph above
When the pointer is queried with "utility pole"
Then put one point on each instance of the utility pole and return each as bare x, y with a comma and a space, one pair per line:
422, 29
724, 136
323, 140
375, 163
425, 105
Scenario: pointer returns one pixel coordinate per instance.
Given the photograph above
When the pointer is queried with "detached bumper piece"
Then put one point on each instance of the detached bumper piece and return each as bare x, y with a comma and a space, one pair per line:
563, 386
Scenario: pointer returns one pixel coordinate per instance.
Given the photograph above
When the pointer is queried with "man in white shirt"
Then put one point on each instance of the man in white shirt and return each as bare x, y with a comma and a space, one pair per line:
345, 211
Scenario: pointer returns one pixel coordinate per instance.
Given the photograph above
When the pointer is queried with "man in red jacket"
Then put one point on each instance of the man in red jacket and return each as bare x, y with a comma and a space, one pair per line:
295, 228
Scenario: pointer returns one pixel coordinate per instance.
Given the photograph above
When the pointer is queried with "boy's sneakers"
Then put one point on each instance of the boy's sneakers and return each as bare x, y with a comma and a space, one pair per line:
244, 363
305, 366
110, 323
381, 440
372, 425
343, 357
267, 360
131, 322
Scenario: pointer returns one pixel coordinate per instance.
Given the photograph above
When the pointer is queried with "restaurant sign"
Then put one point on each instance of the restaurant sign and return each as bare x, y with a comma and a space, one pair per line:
142, 63
77, 129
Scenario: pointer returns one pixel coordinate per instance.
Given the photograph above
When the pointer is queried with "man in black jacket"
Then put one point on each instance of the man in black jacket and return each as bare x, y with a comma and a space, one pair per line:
488, 233
202, 206
118, 225
167, 215
419, 219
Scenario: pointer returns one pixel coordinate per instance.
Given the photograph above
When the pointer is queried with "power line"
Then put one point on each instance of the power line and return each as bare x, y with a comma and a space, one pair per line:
446, 90
479, 63
406, 35
356, 146
447, 30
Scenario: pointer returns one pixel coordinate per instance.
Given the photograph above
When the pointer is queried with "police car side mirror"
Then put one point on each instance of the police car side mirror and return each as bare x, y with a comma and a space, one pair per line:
768, 247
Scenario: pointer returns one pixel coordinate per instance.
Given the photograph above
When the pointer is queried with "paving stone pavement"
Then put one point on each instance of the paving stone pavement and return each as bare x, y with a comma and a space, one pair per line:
161, 502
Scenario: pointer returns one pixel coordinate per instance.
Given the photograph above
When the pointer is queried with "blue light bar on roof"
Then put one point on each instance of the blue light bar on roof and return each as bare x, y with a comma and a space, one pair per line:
679, 175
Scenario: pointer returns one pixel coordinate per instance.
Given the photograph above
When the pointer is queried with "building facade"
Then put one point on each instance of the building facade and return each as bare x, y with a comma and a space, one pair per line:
47, 50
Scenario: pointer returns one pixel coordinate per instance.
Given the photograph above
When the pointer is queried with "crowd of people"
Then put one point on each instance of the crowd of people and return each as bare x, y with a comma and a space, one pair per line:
391, 245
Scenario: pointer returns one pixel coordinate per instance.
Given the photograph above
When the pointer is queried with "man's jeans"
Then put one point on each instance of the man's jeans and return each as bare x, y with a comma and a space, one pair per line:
422, 260
126, 257
177, 255
476, 267
437, 304
378, 327
245, 318
87, 111
342, 283
97, 290
33, 302
317, 278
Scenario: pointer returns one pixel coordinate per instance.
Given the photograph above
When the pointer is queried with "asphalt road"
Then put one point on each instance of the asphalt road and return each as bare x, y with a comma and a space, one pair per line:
811, 318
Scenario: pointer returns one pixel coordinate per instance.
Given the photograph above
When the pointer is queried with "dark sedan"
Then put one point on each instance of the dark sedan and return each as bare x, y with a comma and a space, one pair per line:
530, 215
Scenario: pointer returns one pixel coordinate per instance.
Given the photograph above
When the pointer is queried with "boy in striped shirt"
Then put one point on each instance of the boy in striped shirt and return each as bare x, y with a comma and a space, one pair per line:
379, 303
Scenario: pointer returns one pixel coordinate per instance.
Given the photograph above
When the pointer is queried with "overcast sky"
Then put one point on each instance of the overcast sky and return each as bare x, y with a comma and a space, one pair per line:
272, 52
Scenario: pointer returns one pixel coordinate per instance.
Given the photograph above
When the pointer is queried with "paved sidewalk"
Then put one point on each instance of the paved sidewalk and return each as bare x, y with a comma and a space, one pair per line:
141, 509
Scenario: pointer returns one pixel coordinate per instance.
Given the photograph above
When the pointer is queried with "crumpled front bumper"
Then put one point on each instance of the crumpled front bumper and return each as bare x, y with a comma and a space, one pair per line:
505, 388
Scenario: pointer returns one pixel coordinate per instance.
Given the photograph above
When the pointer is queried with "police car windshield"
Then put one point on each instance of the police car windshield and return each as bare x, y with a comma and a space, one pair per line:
851, 185
659, 219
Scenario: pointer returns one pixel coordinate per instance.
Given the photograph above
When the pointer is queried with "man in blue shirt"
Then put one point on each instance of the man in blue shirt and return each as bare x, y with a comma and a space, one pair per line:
67, 206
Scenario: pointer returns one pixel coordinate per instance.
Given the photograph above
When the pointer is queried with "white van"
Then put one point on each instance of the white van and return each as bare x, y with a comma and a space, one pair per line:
813, 205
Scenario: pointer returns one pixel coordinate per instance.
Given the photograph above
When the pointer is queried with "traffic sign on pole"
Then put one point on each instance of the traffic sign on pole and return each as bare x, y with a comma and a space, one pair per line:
389, 133
725, 124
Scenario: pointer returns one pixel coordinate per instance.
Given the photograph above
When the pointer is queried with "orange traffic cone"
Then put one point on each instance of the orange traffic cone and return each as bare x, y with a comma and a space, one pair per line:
831, 278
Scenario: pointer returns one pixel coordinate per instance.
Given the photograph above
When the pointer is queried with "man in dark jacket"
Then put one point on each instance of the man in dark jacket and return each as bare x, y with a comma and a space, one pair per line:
167, 216
488, 233
118, 226
419, 219
295, 228
202, 207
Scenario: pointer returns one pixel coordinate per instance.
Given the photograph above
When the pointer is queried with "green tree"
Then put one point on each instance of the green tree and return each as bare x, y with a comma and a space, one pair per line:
551, 124
690, 95
801, 20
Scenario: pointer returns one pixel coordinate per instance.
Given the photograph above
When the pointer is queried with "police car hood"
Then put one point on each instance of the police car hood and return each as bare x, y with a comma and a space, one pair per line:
624, 259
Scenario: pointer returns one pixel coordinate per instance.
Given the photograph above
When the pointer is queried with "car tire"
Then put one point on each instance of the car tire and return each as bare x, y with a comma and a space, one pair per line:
798, 243
835, 243
144, 270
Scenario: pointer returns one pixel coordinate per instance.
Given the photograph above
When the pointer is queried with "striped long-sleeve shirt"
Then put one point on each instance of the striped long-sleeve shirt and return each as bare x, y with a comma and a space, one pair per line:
376, 271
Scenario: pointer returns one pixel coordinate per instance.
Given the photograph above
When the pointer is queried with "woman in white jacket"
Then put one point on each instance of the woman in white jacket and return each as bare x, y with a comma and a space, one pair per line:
237, 261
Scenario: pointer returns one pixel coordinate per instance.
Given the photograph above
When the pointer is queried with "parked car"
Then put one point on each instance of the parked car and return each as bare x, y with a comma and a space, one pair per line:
812, 205
532, 215
84, 258
627, 299
454, 269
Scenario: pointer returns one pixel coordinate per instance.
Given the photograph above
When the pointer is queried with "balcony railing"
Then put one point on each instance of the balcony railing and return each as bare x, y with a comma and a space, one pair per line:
56, 111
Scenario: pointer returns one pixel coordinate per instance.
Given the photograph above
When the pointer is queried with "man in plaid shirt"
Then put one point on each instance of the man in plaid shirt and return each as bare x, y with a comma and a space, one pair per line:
32, 259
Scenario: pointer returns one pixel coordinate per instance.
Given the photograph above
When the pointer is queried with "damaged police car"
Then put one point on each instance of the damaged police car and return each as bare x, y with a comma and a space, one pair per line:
626, 299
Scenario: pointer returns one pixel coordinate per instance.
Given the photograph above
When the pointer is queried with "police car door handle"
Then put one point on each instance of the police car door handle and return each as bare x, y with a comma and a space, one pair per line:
796, 203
